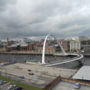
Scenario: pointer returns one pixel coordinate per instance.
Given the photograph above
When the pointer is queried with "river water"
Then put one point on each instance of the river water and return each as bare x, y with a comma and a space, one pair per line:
14, 58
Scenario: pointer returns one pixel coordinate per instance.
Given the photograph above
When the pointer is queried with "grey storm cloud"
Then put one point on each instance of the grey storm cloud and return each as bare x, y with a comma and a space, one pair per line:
40, 17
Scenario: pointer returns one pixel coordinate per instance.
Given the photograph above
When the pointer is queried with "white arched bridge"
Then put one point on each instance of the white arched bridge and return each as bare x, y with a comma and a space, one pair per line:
78, 56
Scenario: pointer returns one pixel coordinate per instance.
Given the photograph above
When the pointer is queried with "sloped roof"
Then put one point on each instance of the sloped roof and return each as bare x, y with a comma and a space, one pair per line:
83, 73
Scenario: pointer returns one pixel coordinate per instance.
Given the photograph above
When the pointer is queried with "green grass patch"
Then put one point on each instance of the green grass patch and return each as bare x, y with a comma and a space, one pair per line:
18, 83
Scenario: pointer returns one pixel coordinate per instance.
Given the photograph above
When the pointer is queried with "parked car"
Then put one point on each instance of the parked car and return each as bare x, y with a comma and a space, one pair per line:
18, 88
11, 87
21, 76
29, 70
2, 82
31, 73
77, 85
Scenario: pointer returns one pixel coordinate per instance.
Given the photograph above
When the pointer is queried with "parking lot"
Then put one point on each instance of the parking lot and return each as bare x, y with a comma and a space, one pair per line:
4, 85
35, 74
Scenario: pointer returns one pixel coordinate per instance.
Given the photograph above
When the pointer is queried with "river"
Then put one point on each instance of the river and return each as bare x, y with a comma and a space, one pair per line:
20, 58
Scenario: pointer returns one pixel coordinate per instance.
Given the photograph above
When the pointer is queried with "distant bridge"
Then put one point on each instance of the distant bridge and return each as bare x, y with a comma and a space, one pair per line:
78, 57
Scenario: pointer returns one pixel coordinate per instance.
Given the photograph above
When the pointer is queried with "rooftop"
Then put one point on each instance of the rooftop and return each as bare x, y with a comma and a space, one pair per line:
83, 73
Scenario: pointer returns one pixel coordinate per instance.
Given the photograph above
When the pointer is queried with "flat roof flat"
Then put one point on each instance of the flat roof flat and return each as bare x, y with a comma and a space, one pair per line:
83, 73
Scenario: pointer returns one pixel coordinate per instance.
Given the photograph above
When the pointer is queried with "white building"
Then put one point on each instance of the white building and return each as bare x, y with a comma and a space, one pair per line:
75, 44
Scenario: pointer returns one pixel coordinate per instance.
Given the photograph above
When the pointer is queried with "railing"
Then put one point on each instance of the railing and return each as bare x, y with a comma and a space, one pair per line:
74, 59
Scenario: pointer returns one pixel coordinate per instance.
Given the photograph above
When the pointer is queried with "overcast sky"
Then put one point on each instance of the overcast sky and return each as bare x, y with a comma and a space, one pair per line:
39, 17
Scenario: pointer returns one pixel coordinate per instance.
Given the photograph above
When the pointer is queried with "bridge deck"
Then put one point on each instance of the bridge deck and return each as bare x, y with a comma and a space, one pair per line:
67, 61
